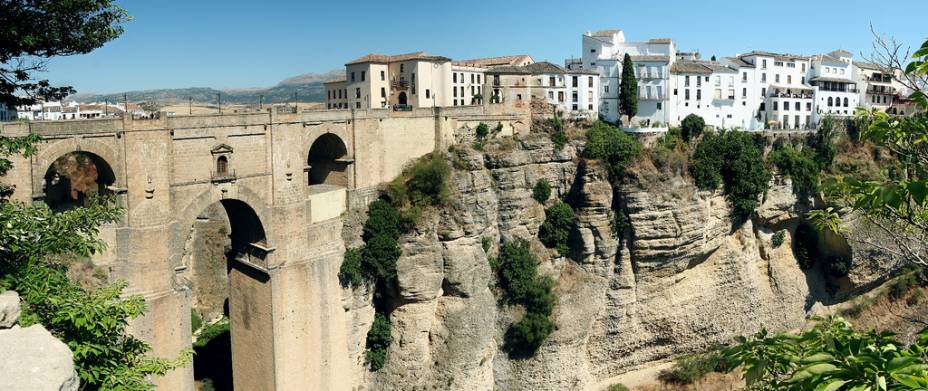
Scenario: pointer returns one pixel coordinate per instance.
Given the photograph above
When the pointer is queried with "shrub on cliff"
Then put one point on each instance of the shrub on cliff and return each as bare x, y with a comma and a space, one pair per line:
351, 272
518, 274
800, 166
542, 191
555, 231
612, 146
691, 127
378, 340
735, 160
422, 184
805, 246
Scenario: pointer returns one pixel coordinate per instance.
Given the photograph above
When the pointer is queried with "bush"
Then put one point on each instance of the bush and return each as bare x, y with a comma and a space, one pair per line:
800, 167
903, 284
196, 321
379, 258
691, 127
382, 220
691, 368
542, 191
839, 266
211, 331
777, 238
823, 141
351, 272
805, 247
612, 146
482, 131
735, 160
555, 231
525, 336
518, 269
486, 242
378, 340
618, 387
421, 184
559, 139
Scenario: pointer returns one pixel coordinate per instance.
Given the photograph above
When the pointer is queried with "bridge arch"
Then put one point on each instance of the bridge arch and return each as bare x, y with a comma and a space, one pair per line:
73, 178
328, 161
51, 151
231, 289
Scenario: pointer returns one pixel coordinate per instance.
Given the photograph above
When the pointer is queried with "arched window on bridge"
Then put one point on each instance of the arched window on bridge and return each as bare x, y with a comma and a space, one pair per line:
75, 179
328, 161
222, 166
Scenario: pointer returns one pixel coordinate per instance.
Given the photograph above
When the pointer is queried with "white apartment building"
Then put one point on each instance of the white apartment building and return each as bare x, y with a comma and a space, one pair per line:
55, 111
707, 89
878, 87
773, 84
604, 51
467, 85
836, 93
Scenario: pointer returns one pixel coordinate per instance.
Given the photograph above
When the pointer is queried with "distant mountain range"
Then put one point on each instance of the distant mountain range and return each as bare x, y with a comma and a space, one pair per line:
305, 88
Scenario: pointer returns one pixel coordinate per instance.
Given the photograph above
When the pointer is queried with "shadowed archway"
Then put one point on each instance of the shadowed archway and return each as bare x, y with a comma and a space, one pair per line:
75, 178
328, 162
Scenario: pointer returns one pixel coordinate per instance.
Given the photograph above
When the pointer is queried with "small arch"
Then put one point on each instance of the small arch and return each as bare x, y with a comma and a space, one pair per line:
830, 102
845, 102
402, 98
74, 178
328, 162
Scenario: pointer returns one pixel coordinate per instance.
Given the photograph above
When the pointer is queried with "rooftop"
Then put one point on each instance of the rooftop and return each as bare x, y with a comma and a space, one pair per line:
651, 58
538, 68
778, 56
386, 59
699, 67
496, 61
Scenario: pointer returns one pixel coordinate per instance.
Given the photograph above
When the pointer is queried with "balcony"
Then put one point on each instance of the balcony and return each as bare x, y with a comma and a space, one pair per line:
401, 84
399, 107
222, 176
878, 79
651, 76
881, 90
791, 95
652, 97
838, 89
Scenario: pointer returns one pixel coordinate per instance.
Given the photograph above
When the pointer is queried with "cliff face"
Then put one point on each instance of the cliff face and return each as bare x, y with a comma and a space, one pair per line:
679, 276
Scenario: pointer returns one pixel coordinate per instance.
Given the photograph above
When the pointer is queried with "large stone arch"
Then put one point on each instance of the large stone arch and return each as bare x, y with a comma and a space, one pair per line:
52, 150
329, 160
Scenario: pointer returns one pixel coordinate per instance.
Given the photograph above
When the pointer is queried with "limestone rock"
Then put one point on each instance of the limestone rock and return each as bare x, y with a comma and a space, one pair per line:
32, 359
9, 309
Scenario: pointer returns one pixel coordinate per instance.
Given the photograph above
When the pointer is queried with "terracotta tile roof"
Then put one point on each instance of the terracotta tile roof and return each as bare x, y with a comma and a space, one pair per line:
605, 33
384, 59
868, 65
538, 68
699, 67
660, 40
340, 80
651, 58
832, 79
738, 62
841, 53
778, 56
496, 61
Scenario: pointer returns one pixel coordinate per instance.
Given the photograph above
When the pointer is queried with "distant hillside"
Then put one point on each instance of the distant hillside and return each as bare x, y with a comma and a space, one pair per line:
306, 87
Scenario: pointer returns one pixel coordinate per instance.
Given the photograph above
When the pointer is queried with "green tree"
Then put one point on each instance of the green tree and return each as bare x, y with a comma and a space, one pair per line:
542, 191
830, 356
628, 90
32, 31
612, 146
691, 127
735, 160
555, 231
379, 339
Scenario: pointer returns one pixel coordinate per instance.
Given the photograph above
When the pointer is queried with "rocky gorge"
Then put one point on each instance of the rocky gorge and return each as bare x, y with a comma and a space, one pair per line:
657, 268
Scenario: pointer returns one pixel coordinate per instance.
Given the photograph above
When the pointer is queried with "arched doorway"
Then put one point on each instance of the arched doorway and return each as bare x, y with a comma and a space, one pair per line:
74, 179
224, 253
328, 162
402, 98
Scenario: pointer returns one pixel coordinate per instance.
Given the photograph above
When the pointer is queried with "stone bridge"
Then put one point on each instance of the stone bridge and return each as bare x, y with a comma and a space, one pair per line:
284, 179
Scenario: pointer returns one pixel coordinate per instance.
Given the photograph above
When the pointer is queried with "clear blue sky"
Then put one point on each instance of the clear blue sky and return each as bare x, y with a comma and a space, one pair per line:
233, 43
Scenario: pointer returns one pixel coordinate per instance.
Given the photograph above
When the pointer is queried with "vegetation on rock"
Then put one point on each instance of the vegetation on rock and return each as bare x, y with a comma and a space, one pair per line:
378, 340
611, 145
734, 159
555, 231
542, 191
518, 276
691, 127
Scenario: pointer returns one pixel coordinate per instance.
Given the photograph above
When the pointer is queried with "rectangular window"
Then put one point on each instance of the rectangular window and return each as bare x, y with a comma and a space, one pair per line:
803, 67
648, 92
357, 105
551, 95
454, 77
471, 77
808, 106
789, 79
718, 94
660, 93
551, 81
560, 96
776, 78
797, 106
575, 107
352, 77
763, 64
454, 91
731, 94
686, 82
718, 81
763, 77
763, 92
744, 92
744, 76
776, 105
363, 73
574, 81
357, 93
478, 78
686, 94
402, 68
575, 97
383, 76
590, 82
674, 92
383, 92
698, 94
428, 94
659, 105
698, 81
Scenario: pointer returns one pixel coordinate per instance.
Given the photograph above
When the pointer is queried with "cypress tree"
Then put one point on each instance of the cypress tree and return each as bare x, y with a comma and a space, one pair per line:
628, 91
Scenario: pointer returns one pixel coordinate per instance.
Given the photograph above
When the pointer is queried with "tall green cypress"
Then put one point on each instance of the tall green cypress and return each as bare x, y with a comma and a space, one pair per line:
628, 91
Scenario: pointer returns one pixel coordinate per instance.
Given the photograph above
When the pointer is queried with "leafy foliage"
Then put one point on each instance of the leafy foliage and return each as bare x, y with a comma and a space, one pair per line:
777, 239
518, 275
830, 356
689, 369
421, 184
542, 191
691, 127
211, 331
92, 323
628, 90
33, 31
617, 387
558, 135
482, 131
612, 146
555, 231
823, 142
351, 272
800, 167
378, 340
735, 159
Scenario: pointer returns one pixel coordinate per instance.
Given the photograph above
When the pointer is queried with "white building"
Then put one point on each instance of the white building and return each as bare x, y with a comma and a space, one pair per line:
573, 93
707, 89
604, 51
878, 87
836, 92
